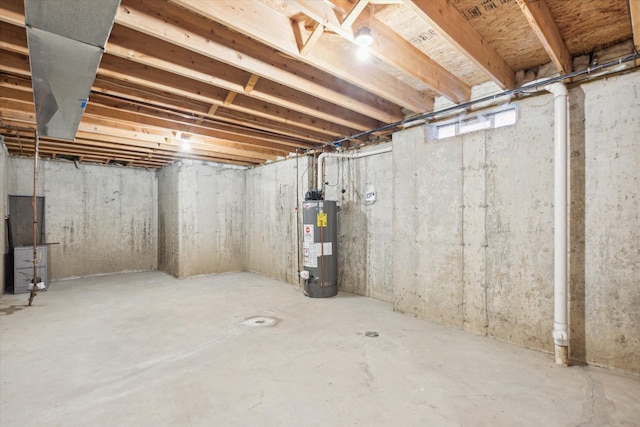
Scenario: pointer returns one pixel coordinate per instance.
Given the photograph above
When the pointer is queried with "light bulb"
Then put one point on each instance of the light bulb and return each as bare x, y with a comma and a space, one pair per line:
363, 53
363, 37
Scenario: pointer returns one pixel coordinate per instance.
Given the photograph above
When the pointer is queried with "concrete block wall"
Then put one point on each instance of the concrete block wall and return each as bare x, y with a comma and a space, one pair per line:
201, 219
101, 219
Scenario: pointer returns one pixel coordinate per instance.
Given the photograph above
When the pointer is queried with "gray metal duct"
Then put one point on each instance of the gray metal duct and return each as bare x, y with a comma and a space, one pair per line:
66, 42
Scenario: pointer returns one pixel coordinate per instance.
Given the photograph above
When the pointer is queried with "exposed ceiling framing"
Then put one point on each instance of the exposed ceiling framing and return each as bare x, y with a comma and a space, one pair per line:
250, 81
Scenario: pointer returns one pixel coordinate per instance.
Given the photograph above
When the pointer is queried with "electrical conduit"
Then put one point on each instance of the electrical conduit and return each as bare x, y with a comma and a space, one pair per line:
354, 155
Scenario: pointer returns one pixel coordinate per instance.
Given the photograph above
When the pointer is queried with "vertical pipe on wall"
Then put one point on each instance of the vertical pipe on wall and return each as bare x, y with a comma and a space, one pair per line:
298, 210
34, 202
561, 132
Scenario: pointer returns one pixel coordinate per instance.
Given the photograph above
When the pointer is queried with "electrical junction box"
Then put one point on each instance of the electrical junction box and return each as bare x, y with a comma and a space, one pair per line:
370, 195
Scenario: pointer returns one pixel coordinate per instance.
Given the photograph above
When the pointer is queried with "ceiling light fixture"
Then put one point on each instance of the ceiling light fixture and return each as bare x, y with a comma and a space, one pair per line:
363, 37
185, 142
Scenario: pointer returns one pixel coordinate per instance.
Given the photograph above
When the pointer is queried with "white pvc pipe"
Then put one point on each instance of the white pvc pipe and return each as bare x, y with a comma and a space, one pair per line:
353, 155
560, 323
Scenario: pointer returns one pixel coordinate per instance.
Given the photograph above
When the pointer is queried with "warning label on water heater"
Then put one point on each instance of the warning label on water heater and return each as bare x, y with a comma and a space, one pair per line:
322, 219
309, 252
308, 232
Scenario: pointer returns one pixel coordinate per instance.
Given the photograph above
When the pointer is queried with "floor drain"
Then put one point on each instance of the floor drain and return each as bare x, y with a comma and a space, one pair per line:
261, 321
371, 334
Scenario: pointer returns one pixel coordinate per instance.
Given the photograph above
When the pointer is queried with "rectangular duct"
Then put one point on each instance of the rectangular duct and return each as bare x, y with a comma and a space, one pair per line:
66, 42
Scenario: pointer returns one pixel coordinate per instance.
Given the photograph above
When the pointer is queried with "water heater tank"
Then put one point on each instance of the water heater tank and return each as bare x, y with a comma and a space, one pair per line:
320, 251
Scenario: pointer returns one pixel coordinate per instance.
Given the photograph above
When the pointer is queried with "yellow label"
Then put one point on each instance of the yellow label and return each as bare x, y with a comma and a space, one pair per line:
322, 219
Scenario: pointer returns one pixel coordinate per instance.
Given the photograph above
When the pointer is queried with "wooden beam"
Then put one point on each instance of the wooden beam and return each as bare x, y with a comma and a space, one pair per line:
354, 13
321, 12
451, 25
212, 110
14, 63
391, 48
230, 97
192, 32
274, 29
115, 109
313, 38
539, 17
117, 113
142, 49
14, 38
248, 88
95, 143
287, 122
12, 12
125, 43
634, 12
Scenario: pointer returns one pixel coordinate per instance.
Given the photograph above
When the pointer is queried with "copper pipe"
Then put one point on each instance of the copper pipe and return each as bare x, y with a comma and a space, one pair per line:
34, 202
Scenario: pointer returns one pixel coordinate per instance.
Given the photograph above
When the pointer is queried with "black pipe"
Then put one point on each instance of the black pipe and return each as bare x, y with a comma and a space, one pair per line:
524, 89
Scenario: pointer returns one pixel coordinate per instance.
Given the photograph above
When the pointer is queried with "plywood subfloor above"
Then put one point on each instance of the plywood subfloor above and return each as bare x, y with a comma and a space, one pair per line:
249, 82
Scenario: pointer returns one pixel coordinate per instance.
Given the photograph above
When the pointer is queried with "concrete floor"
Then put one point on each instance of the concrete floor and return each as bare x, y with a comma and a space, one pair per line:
145, 349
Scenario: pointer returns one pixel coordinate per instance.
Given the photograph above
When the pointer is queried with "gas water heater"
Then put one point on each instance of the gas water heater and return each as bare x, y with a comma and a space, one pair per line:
320, 252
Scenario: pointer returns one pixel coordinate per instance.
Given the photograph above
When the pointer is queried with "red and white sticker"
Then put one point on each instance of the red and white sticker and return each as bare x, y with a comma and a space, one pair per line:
308, 232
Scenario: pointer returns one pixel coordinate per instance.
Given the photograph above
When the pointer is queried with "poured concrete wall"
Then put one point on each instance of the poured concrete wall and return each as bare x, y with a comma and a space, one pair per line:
4, 190
612, 222
473, 226
102, 219
364, 229
201, 213
271, 235
168, 220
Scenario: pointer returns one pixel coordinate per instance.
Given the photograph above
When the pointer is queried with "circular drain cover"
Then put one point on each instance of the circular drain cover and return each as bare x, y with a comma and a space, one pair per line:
260, 321
371, 334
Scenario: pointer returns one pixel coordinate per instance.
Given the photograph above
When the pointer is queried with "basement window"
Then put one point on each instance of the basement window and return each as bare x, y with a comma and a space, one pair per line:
492, 119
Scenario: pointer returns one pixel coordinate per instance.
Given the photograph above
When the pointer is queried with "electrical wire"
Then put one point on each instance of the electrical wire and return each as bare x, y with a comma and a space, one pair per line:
521, 90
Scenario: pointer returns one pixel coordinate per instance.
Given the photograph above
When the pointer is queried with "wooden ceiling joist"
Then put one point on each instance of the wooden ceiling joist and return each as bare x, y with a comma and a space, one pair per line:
305, 44
391, 48
248, 88
634, 13
158, 21
353, 13
274, 29
443, 17
251, 81
159, 73
539, 17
